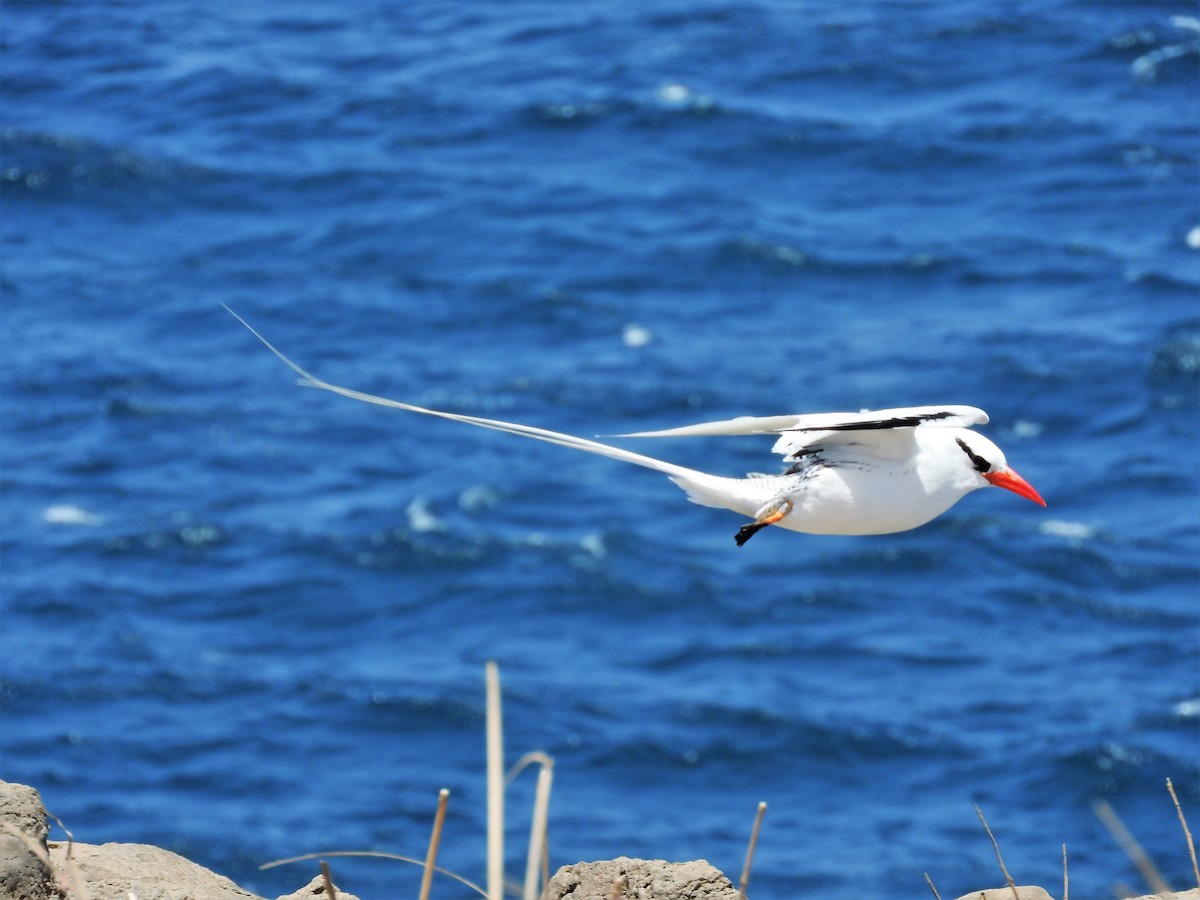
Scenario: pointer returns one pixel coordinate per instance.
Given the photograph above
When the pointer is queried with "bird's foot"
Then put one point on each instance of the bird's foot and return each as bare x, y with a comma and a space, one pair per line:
769, 516
748, 531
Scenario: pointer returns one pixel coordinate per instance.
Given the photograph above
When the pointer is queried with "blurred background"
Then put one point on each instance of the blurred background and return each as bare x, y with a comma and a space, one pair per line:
246, 621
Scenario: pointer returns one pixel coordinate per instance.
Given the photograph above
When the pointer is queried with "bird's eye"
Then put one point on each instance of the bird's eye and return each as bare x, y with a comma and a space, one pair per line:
981, 464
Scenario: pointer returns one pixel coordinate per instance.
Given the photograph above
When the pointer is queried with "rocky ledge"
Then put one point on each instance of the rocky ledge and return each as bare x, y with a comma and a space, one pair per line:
32, 868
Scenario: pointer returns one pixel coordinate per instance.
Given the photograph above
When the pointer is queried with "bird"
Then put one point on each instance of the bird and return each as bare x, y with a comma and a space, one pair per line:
866, 473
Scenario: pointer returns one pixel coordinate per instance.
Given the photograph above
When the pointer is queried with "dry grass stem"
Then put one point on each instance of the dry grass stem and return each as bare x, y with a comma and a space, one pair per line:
1186, 832
73, 875
70, 837
435, 839
535, 756
929, 881
495, 786
1129, 844
537, 830
327, 880
377, 854
618, 887
762, 811
1008, 878
74, 878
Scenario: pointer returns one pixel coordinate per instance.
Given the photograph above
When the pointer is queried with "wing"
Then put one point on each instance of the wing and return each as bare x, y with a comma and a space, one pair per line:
802, 431
886, 433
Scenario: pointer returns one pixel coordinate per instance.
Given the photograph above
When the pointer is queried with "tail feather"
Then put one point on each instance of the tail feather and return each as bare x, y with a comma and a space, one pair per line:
701, 487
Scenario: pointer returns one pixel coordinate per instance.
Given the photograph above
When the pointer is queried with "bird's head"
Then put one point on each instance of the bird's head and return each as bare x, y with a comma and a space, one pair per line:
989, 466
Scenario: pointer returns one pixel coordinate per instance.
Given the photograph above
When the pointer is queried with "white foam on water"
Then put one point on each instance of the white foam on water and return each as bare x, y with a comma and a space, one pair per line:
421, 517
1188, 709
1072, 531
635, 335
67, 514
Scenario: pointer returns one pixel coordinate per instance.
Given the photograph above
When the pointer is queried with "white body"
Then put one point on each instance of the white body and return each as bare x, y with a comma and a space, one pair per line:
846, 494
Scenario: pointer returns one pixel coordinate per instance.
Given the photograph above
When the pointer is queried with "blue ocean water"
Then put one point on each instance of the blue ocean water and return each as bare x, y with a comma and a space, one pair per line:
246, 621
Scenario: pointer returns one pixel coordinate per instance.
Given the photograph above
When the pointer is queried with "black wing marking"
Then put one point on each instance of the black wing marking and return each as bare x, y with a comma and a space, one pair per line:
877, 424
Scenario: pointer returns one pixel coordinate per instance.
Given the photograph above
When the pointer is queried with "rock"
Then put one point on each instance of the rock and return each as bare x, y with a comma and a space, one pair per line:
21, 806
315, 890
115, 871
118, 871
645, 879
24, 874
104, 872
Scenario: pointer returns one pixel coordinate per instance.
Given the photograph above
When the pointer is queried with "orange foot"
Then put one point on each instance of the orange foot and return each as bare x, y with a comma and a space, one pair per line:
773, 514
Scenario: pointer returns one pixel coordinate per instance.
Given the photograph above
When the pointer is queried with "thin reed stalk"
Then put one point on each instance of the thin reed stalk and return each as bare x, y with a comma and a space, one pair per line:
995, 846
1186, 832
495, 785
1129, 844
74, 873
435, 839
537, 830
762, 810
327, 881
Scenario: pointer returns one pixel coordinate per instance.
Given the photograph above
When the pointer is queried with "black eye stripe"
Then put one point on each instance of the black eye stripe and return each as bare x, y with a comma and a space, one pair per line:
981, 464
